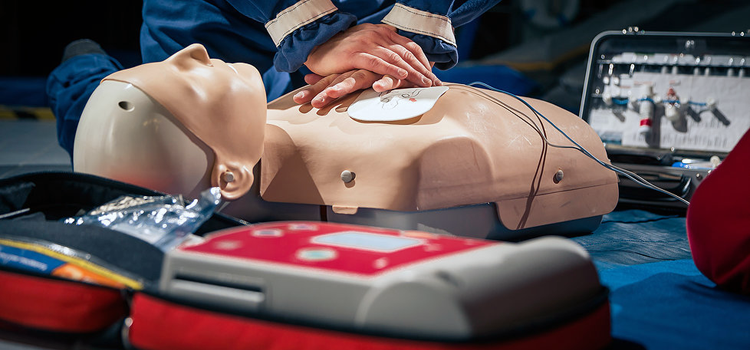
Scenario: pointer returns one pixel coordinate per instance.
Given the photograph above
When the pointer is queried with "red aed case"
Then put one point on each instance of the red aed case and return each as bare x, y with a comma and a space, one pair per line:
374, 287
295, 285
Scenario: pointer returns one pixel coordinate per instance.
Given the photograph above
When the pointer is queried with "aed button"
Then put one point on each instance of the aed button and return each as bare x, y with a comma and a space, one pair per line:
316, 254
271, 232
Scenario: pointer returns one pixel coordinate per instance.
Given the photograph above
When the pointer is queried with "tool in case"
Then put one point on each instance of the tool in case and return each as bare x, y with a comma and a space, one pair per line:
668, 106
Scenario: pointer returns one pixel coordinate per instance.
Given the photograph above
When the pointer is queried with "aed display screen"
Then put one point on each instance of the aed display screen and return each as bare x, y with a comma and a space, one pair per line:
367, 241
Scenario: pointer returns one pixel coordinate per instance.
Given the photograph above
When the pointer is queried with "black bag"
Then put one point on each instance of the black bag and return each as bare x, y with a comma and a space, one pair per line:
31, 209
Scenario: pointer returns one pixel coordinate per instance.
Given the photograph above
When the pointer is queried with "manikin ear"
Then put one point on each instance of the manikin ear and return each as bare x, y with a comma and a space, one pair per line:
234, 180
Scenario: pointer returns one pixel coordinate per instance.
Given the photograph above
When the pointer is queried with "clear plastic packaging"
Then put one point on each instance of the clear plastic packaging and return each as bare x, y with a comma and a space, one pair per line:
164, 221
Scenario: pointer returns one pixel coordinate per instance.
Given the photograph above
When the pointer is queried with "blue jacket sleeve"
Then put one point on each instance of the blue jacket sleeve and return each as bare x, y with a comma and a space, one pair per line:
430, 24
296, 26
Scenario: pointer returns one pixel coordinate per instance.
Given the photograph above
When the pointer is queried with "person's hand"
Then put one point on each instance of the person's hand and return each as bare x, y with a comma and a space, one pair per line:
324, 90
376, 48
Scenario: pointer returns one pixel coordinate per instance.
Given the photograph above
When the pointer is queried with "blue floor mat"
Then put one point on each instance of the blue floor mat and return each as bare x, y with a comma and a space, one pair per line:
658, 298
671, 305
633, 237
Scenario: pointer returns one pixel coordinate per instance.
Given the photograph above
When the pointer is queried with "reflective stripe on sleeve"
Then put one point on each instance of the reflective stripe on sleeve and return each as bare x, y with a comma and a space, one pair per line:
421, 22
296, 16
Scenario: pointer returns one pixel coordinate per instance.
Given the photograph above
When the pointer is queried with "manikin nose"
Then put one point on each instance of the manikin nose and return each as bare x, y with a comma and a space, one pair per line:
194, 52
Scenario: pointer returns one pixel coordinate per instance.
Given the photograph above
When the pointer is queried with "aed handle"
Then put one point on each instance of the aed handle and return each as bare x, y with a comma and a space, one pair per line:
241, 299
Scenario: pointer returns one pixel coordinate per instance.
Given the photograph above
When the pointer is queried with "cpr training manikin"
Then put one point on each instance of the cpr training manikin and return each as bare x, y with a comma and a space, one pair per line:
473, 163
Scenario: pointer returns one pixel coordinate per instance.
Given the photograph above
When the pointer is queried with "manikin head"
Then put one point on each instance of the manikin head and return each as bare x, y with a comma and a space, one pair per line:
177, 126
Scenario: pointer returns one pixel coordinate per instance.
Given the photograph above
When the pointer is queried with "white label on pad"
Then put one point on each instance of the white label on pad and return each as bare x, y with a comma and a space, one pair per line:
394, 105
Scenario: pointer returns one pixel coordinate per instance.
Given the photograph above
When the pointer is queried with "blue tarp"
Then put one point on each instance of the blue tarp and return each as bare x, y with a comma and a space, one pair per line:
659, 299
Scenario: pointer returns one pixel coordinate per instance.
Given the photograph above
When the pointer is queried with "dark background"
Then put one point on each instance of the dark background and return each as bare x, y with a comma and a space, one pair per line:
34, 34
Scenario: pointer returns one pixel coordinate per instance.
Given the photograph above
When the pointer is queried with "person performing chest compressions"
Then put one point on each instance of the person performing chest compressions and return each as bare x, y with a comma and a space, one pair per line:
474, 162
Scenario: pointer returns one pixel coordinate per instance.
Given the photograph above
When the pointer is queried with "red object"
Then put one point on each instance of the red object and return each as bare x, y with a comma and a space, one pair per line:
646, 122
159, 324
335, 248
718, 221
58, 305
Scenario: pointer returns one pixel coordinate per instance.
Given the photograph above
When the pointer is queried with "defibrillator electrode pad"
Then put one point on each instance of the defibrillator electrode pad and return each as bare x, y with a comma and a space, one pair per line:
394, 105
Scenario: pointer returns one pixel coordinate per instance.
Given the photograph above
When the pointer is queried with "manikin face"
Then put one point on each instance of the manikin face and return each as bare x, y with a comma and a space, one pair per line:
220, 107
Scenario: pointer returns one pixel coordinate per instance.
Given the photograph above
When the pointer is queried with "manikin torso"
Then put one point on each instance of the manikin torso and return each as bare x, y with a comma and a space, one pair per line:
474, 150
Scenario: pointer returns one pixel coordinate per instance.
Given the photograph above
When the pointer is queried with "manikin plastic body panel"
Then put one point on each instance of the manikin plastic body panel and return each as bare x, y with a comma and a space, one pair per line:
474, 146
405, 283
475, 149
